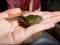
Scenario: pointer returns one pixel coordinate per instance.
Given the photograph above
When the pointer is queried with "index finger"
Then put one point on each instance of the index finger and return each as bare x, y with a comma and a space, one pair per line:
44, 15
10, 13
35, 13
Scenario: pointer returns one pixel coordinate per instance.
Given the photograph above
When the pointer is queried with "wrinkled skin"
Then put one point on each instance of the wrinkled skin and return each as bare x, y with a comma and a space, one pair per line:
12, 33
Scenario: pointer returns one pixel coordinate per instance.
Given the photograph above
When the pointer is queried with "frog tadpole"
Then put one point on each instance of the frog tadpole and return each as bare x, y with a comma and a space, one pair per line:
28, 20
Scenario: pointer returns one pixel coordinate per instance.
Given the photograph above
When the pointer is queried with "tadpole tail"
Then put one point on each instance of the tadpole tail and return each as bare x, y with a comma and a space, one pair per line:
21, 21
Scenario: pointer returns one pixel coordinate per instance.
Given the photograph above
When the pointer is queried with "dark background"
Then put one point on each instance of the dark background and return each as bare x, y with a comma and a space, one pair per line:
3, 5
50, 5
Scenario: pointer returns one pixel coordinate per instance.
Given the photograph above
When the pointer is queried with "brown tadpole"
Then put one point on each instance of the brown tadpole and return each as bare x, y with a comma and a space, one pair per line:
27, 21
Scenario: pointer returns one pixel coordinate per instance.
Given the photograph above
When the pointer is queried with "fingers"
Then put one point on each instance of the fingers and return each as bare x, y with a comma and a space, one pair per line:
38, 28
3, 15
10, 13
53, 19
56, 13
44, 15
14, 12
36, 13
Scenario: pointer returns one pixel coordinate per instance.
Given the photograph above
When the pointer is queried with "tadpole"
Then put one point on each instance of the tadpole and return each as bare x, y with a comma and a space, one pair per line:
27, 21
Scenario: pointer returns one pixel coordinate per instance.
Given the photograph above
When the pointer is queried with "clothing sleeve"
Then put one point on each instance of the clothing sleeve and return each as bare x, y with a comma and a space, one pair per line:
23, 4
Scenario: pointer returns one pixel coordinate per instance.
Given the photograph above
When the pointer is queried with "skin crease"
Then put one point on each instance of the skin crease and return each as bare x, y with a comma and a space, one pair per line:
11, 33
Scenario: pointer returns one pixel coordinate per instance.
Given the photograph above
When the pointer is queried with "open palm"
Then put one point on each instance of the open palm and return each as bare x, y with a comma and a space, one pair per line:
12, 33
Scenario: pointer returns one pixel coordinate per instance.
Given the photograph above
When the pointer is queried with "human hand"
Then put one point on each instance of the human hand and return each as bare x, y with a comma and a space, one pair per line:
12, 33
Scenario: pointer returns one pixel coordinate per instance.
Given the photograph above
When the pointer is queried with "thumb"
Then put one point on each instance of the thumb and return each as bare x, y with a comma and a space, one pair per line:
10, 13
